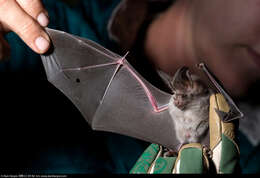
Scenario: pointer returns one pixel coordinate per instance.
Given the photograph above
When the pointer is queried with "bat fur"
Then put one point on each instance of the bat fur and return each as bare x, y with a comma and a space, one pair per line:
188, 107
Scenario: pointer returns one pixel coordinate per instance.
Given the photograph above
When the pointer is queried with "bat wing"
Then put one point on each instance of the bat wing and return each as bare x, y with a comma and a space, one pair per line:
111, 95
234, 112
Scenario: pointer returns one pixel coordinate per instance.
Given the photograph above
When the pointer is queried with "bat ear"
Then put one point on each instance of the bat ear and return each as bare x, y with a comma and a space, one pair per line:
167, 79
182, 78
189, 78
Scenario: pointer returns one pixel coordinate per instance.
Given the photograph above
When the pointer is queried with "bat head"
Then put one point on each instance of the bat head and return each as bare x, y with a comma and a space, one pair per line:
182, 81
186, 87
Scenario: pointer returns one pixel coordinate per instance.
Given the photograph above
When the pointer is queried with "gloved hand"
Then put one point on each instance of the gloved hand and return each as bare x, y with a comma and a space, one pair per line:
221, 157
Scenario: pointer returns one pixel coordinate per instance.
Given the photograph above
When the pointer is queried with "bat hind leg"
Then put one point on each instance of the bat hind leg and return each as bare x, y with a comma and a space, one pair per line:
169, 153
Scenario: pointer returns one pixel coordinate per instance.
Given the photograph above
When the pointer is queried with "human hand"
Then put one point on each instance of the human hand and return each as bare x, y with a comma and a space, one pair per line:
26, 18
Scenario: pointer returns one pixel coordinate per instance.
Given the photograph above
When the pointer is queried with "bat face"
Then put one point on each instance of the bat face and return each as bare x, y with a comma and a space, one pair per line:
186, 87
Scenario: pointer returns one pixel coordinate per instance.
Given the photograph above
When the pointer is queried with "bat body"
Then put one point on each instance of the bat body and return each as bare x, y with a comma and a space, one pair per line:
189, 106
191, 123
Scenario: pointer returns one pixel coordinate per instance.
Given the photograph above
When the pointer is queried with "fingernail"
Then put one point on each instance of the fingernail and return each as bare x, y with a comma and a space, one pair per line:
41, 43
43, 19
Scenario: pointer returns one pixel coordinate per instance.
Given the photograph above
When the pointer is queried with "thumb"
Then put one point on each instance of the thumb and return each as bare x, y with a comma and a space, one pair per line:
14, 18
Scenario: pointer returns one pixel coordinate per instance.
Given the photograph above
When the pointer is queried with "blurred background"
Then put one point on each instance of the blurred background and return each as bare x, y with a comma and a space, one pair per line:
70, 2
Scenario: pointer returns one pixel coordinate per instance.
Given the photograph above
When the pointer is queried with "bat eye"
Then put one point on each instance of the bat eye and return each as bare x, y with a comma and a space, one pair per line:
78, 80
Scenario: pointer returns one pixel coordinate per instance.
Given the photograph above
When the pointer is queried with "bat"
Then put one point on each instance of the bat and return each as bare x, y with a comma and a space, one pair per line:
110, 94
189, 106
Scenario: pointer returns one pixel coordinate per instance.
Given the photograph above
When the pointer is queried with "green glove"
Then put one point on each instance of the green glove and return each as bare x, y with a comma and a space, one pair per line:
221, 157
190, 159
225, 151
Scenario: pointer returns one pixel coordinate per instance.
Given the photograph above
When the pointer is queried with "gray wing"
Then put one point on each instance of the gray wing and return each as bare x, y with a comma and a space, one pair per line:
111, 95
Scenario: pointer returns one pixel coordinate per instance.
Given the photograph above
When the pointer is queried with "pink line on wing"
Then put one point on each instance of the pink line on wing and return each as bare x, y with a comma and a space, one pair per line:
90, 67
147, 92
119, 63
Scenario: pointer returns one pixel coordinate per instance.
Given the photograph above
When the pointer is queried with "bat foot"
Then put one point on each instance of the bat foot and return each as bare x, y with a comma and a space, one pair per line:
169, 153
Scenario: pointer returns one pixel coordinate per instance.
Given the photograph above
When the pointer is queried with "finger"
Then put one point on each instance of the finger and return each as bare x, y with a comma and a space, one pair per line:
36, 10
17, 20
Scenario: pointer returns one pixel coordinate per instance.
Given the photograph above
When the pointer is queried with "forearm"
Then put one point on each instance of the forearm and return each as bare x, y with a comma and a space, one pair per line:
168, 42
